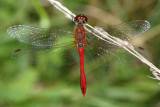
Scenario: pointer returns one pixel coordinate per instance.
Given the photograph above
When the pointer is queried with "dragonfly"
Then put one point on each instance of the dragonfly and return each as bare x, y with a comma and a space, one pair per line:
57, 44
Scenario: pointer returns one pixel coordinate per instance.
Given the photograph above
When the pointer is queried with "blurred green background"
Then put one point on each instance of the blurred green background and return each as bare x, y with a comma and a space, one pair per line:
25, 85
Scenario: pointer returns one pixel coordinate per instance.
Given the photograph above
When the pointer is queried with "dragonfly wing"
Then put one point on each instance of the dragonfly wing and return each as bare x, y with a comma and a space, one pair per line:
43, 45
129, 30
99, 51
39, 36
103, 53
47, 55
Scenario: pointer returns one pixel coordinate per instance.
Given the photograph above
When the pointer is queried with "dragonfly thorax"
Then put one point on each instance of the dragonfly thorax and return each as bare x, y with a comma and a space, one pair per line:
80, 36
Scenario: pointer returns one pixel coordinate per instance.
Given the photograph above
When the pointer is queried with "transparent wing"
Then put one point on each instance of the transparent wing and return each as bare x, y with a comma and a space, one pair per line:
48, 55
39, 36
103, 53
128, 30
45, 46
99, 51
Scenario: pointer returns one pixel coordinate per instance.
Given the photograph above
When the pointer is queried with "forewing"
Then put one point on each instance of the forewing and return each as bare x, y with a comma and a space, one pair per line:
129, 30
39, 36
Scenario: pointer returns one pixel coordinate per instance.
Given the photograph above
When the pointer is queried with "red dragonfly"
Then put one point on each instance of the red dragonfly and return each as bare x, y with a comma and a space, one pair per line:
52, 43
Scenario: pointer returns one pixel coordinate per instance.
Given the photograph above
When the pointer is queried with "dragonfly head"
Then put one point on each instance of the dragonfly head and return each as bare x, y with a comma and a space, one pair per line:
80, 18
